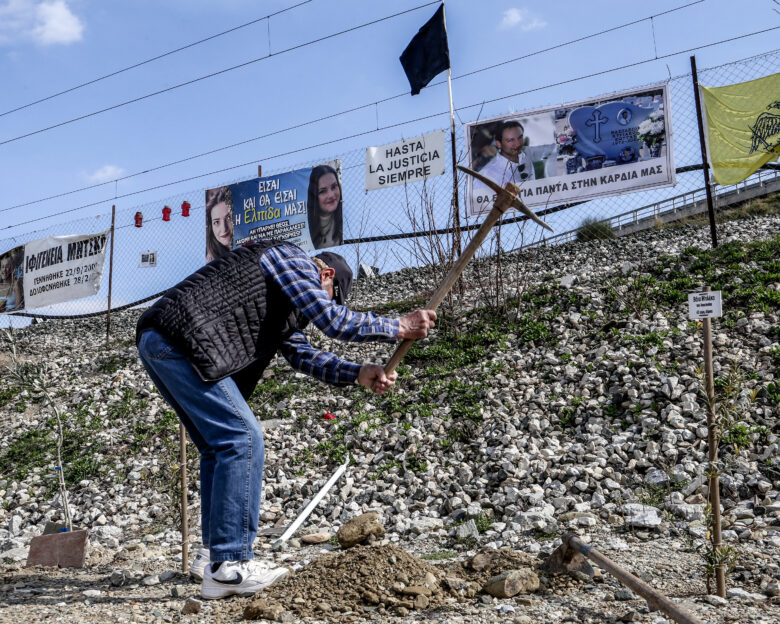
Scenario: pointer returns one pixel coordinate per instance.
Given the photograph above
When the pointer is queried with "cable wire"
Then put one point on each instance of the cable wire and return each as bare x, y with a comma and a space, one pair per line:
344, 112
372, 131
566, 43
211, 75
150, 60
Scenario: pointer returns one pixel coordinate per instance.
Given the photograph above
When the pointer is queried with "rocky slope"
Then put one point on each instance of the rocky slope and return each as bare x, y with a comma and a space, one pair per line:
569, 399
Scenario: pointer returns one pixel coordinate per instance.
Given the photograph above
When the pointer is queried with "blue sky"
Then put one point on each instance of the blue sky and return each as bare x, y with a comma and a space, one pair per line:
53, 45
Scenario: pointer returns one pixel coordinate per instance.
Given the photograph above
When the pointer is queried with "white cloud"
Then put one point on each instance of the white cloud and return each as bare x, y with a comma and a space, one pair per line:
16, 17
106, 173
522, 18
56, 24
46, 23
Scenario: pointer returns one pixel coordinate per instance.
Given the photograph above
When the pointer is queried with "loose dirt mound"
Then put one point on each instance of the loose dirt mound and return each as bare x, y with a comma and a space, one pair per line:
489, 562
380, 579
359, 580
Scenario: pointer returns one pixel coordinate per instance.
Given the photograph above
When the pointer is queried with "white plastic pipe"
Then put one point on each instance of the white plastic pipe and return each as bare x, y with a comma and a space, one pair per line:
312, 504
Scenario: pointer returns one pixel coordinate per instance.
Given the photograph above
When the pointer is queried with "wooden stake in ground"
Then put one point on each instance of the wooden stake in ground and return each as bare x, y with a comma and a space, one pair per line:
705, 306
185, 538
110, 276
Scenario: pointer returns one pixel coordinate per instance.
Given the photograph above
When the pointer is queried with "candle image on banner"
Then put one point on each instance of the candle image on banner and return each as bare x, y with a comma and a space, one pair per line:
304, 207
576, 151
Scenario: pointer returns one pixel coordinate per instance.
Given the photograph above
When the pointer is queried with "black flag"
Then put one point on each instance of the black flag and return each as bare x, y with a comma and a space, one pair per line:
427, 54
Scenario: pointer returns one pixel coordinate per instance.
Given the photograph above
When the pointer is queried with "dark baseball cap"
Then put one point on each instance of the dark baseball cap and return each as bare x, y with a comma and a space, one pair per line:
342, 282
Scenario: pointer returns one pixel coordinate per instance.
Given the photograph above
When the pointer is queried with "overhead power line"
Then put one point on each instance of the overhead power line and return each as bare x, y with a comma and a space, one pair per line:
150, 60
401, 123
344, 112
560, 45
212, 75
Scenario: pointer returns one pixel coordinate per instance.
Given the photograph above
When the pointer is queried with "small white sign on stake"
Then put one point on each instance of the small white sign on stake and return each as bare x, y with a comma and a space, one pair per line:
704, 305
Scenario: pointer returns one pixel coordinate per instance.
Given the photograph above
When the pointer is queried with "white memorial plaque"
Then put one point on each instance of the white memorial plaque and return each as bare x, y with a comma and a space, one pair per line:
704, 305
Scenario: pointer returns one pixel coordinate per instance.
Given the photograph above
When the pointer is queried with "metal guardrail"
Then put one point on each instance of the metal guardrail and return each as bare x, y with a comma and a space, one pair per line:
671, 206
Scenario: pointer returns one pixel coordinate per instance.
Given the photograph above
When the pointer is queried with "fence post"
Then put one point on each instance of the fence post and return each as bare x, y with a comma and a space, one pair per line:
110, 275
706, 166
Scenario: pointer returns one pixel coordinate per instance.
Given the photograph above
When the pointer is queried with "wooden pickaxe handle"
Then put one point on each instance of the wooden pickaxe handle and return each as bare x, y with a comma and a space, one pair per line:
507, 198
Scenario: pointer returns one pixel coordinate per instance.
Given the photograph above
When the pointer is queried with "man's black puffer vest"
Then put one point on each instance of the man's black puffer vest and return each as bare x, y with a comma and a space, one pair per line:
226, 317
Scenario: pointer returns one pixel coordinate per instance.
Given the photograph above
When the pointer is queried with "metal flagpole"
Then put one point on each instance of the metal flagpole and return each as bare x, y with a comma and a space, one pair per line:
455, 202
706, 168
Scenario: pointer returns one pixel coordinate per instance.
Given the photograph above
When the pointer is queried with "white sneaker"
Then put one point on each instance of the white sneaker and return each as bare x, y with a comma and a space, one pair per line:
242, 578
199, 564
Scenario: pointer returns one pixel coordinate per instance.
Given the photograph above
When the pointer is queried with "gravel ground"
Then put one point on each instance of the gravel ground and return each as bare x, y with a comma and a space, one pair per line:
152, 591
582, 415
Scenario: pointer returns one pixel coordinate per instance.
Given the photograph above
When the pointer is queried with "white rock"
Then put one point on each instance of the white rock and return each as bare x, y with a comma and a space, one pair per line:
425, 524
716, 601
640, 516
737, 593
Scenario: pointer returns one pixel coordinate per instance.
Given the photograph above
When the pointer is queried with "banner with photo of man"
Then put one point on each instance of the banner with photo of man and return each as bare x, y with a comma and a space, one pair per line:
574, 152
303, 207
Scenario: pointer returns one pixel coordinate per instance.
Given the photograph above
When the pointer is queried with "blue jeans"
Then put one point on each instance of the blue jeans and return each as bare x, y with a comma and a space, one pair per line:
230, 442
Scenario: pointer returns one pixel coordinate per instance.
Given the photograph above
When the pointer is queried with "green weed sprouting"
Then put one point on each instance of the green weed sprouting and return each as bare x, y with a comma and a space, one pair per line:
773, 393
36, 378
416, 464
592, 228
730, 404
715, 557
483, 522
633, 293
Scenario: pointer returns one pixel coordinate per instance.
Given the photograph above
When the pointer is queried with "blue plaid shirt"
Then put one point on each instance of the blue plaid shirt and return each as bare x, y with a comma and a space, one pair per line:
299, 279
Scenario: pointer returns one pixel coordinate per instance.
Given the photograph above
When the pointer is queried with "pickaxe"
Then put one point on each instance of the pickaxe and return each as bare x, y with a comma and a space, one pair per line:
506, 198
570, 557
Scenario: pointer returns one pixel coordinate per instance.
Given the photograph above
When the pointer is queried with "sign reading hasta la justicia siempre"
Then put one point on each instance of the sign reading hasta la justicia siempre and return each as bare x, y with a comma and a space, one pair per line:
404, 162
574, 152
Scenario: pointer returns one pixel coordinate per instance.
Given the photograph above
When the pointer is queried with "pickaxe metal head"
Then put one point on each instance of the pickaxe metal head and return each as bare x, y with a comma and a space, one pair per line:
567, 559
507, 195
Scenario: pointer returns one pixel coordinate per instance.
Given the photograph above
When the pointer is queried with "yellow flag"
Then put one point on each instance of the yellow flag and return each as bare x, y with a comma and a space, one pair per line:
742, 126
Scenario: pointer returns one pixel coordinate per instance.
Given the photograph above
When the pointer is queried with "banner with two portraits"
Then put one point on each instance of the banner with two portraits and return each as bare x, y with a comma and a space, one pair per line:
574, 152
303, 207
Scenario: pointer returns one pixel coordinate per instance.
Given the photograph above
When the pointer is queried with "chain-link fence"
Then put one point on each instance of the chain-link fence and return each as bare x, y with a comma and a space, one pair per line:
394, 227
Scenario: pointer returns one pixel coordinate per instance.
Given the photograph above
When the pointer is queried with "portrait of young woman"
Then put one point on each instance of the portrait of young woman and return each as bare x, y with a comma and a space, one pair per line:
324, 208
219, 222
